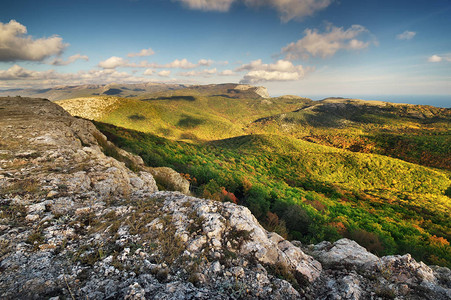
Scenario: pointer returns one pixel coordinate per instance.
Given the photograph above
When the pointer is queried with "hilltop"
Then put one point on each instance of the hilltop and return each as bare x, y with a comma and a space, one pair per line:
82, 218
140, 90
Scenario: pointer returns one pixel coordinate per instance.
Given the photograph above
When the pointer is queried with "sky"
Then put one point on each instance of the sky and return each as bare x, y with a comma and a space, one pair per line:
301, 47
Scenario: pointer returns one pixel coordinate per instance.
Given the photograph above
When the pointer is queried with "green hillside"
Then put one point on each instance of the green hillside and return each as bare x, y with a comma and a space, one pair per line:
313, 192
375, 172
186, 117
415, 133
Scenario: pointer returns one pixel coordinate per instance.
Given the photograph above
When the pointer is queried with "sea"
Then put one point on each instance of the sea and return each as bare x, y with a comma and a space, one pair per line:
434, 100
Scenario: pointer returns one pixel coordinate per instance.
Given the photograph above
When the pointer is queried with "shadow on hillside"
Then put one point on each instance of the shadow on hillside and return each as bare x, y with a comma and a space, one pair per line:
189, 122
176, 98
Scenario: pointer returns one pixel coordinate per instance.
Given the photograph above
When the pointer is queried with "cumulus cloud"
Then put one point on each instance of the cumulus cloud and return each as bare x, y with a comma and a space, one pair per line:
113, 62
19, 77
205, 62
282, 70
60, 62
17, 72
287, 9
143, 52
437, 58
164, 73
16, 45
326, 44
180, 64
406, 35
203, 73
227, 73
148, 72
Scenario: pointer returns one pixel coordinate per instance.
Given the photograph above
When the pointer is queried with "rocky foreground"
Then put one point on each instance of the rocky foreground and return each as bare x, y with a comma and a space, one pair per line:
82, 219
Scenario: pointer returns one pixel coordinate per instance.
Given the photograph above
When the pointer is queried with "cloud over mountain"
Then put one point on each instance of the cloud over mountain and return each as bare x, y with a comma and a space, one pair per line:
113, 62
16, 45
326, 44
203, 73
282, 70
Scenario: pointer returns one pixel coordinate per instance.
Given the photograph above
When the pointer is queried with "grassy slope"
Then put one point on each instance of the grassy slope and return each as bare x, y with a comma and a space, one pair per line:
418, 134
314, 192
205, 118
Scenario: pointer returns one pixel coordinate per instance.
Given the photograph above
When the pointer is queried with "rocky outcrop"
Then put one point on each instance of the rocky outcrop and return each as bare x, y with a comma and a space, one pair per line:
170, 179
351, 272
258, 90
76, 223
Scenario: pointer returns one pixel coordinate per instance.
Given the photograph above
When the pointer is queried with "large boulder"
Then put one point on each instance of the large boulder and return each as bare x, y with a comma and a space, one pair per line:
170, 179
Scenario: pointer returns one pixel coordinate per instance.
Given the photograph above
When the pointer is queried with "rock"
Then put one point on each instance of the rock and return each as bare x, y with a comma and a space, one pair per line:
170, 179
344, 252
230, 222
32, 218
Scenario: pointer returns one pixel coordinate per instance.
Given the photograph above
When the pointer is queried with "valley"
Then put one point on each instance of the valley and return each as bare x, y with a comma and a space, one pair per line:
375, 172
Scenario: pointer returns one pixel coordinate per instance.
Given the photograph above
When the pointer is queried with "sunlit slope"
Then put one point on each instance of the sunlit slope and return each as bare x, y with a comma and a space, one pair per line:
354, 171
314, 192
189, 117
415, 133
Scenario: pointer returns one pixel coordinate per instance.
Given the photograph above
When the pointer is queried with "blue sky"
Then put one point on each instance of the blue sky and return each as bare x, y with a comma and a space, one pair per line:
302, 47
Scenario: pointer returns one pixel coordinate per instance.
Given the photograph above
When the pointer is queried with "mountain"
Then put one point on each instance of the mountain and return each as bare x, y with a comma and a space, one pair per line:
140, 90
82, 218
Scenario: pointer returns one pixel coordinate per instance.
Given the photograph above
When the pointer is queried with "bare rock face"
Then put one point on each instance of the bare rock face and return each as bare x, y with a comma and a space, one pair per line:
229, 227
344, 252
60, 154
351, 272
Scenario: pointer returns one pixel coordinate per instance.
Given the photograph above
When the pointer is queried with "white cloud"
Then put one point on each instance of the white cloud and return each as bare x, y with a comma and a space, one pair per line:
18, 73
60, 62
406, 35
326, 44
180, 64
282, 70
287, 9
164, 73
292, 9
113, 62
19, 77
148, 72
143, 52
205, 62
208, 5
176, 64
227, 73
16, 45
437, 58
204, 73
